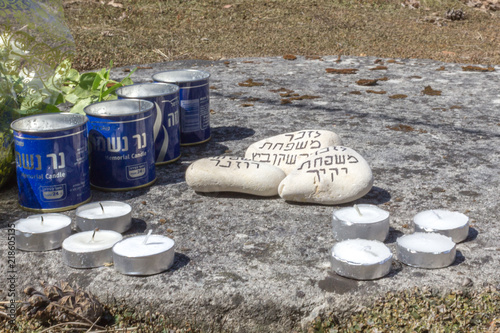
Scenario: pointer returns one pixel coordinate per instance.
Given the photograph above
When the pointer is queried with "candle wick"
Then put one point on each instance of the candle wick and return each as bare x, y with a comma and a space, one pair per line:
93, 235
439, 216
41, 218
100, 204
147, 236
358, 210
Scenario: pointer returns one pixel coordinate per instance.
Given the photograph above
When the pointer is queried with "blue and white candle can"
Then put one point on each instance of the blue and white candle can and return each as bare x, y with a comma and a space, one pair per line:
121, 144
52, 161
194, 97
166, 126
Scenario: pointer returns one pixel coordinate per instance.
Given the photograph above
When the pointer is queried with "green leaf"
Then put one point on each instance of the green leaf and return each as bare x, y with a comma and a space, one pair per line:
81, 104
73, 75
98, 81
87, 80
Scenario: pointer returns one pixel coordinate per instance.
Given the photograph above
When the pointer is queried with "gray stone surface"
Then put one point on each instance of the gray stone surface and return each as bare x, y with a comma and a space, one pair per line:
252, 264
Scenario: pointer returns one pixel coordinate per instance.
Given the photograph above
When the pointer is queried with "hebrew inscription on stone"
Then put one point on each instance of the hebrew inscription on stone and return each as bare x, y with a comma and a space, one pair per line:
238, 162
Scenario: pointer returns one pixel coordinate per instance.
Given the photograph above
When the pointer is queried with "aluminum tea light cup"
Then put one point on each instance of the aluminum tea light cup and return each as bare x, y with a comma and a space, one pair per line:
104, 215
144, 255
360, 221
361, 259
426, 250
42, 232
90, 248
444, 222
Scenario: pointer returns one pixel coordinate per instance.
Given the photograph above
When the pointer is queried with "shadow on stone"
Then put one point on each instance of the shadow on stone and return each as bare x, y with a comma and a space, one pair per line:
138, 227
231, 133
180, 260
335, 283
472, 235
393, 235
458, 259
376, 196
234, 195
208, 149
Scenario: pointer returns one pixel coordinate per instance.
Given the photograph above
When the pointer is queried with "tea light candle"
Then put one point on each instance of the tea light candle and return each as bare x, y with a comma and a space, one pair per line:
360, 221
42, 232
143, 255
444, 222
426, 250
105, 215
361, 259
90, 248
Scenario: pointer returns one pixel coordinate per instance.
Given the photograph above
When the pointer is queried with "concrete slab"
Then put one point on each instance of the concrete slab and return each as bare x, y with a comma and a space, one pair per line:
251, 264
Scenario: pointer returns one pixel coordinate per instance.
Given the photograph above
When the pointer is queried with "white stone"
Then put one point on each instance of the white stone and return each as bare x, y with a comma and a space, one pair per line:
234, 174
287, 150
331, 176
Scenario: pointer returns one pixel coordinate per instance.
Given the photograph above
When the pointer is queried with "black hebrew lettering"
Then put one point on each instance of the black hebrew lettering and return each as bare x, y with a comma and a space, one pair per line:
316, 172
352, 159
328, 160
339, 159
301, 145
261, 157
289, 146
303, 133
291, 136
265, 144
313, 142
276, 145
303, 165
291, 159
319, 161
345, 169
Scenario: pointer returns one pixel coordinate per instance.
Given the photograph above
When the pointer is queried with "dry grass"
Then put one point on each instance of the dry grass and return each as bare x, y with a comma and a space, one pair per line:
145, 31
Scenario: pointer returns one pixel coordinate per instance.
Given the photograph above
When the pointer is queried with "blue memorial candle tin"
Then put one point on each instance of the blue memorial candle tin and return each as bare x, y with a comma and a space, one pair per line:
52, 162
121, 144
166, 127
194, 97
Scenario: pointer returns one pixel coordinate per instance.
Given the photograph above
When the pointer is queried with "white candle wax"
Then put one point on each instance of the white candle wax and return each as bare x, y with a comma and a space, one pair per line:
90, 248
43, 223
143, 255
361, 214
361, 259
426, 250
109, 209
448, 223
426, 242
135, 246
361, 221
361, 251
84, 242
105, 215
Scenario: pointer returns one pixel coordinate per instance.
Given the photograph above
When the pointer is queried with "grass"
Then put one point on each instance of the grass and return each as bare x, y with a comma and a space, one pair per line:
418, 310
147, 31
